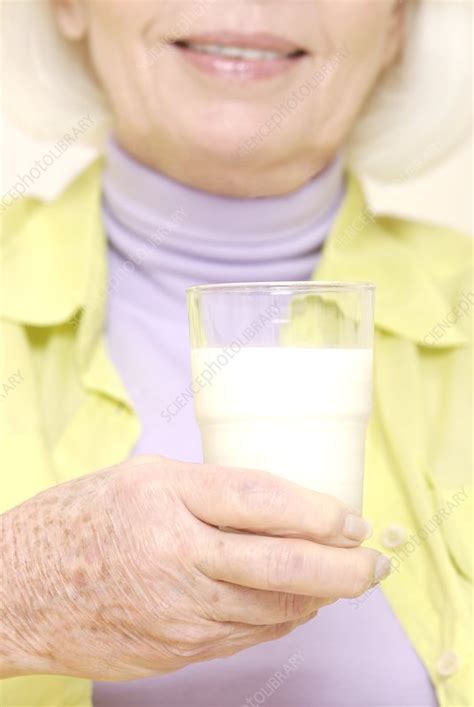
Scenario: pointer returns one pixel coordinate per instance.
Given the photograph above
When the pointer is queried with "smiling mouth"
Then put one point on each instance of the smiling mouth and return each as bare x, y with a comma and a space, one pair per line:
239, 53
243, 57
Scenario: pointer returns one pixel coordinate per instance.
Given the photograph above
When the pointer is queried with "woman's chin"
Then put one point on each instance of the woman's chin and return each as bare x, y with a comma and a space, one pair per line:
239, 147
236, 161
227, 173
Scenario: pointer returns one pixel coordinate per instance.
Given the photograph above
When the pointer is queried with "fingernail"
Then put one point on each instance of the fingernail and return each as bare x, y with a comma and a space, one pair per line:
357, 528
382, 569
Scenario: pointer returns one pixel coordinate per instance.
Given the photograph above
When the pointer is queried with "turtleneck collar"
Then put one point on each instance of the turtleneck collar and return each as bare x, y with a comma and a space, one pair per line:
139, 197
173, 236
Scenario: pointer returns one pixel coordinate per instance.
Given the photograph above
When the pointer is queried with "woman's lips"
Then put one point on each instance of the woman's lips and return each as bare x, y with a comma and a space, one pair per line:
240, 56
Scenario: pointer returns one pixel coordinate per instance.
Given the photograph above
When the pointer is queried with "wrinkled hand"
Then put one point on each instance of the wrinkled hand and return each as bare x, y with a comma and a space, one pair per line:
125, 573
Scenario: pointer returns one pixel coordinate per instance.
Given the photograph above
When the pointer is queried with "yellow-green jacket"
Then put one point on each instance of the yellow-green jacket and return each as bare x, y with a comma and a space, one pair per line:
64, 411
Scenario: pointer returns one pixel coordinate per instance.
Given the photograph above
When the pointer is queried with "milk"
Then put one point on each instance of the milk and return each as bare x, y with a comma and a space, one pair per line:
300, 413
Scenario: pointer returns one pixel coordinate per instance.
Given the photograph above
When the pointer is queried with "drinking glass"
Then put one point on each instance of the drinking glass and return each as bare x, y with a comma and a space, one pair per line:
282, 379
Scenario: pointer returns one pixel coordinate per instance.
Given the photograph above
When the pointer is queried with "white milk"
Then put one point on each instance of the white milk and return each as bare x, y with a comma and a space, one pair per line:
300, 413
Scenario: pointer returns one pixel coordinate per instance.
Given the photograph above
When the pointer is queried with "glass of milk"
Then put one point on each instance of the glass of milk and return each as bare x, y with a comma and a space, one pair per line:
282, 379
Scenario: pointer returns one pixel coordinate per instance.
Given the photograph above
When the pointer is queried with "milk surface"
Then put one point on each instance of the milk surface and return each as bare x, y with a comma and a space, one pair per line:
300, 413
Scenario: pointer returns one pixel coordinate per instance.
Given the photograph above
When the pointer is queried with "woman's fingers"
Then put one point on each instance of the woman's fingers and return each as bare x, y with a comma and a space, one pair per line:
241, 636
260, 608
259, 502
292, 566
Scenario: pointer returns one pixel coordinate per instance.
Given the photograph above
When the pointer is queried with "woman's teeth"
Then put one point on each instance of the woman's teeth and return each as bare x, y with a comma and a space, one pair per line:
243, 53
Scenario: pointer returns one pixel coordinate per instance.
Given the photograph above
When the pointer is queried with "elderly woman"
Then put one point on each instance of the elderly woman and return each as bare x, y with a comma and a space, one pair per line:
234, 136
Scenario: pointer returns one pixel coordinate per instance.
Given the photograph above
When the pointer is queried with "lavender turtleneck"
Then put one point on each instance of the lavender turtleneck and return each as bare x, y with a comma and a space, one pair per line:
163, 237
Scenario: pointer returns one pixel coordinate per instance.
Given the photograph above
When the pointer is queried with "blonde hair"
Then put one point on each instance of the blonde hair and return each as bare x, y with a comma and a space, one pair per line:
419, 112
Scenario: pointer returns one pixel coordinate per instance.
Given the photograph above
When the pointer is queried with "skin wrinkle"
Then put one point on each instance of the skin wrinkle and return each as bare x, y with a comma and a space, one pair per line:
357, 41
113, 588
111, 576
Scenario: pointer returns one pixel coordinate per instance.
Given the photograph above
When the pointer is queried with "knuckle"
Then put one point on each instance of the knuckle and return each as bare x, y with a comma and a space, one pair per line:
193, 641
328, 524
294, 605
142, 483
329, 516
258, 490
127, 484
283, 564
250, 488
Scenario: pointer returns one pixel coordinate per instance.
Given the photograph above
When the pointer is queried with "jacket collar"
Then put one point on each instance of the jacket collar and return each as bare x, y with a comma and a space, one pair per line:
46, 253
408, 302
54, 260
54, 265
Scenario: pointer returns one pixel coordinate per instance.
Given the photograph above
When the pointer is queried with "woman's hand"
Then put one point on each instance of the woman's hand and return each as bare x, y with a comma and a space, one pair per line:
125, 573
